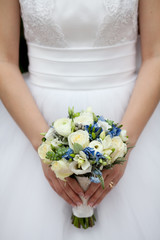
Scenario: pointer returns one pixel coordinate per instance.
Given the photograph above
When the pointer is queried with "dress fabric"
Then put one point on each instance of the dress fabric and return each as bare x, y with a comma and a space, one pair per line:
81, 53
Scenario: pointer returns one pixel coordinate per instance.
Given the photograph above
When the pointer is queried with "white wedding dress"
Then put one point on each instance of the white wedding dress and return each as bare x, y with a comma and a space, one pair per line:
82, 53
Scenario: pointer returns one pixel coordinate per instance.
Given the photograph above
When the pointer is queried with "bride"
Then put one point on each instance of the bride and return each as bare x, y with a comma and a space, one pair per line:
81, 53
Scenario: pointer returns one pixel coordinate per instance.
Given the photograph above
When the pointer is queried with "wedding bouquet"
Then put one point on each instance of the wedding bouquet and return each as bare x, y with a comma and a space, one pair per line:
81, 146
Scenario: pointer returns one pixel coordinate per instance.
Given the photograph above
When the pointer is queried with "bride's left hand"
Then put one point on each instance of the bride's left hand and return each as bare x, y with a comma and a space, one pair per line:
96, 193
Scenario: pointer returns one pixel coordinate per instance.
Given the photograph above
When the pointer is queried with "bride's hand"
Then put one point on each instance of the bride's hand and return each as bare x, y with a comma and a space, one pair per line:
96, 193
69, 190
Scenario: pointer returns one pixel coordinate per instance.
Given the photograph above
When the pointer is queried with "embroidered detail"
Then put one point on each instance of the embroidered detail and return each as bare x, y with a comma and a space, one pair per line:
39, 23
119, 23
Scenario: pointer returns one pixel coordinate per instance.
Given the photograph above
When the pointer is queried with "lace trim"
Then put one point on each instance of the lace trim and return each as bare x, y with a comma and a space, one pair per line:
39, 23
119, 23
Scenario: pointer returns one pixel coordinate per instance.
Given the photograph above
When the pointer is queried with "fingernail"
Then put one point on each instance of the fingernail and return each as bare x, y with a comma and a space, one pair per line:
81, 194
79, 204
91, 204
95, 206
86, 197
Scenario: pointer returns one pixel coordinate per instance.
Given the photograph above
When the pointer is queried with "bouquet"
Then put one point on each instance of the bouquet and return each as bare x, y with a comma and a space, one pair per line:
81, 146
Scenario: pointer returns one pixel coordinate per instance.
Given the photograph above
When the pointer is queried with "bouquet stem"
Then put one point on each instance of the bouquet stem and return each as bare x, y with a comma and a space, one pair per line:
83, 222
83, 215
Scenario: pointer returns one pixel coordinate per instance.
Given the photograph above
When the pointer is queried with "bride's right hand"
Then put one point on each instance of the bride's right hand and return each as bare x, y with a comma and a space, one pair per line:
69, 190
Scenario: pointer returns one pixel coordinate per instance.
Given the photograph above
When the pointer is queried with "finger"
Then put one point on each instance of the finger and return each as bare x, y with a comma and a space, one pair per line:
91, 190
94, 186
75, 186
100, 190
107, 190
60, 191
70, 193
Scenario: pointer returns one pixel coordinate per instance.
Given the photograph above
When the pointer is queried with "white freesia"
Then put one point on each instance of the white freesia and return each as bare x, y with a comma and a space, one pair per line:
120, 148
82, 160
43, 149
98, 147
107, 142
61, 169
55, 142
63, 126
123, 135
80, 165
49, 134
81, 137
85, 118
104, 125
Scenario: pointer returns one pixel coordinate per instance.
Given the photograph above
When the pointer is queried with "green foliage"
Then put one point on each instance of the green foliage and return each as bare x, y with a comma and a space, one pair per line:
77, 148
56, 153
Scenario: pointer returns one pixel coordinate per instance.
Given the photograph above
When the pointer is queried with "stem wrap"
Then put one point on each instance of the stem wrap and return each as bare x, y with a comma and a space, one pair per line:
84, 210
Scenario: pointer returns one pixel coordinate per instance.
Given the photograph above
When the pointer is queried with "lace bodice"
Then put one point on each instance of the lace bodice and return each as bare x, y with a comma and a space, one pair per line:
79, 23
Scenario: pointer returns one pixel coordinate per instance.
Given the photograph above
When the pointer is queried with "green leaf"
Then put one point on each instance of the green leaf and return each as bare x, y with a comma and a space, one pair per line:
95, 118
77, 148
110, 122
43, 134
102, 180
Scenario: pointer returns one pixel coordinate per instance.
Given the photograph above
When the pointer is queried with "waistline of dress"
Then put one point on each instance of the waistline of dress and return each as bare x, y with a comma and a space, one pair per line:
87, 68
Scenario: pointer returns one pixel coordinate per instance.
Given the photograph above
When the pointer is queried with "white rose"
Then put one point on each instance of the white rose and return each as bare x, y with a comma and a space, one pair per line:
63, 126
85, 118
104, 125
43, 149
81, 137
107, 142
98, 147
123, 135
49, 134
61, 169
120, 148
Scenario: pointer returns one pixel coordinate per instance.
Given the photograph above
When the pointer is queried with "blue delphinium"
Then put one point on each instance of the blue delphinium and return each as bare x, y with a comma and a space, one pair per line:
94, 179
101, 118
114, 132
99, 156
89, 152
67, 154
93, 130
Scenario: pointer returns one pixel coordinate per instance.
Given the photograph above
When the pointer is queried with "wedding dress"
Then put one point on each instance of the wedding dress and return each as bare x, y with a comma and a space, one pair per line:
82, 53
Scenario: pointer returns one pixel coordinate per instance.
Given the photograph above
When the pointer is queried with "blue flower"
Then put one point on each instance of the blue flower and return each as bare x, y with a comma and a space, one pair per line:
67, 154
101, 118
97, 172
89, 152
114, 132
99, 156
93, 128
94, 179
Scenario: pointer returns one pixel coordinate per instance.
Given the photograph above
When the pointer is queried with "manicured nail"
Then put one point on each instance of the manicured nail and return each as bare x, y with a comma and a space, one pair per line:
95, 206
91, 204
79, 204
86, 197
81, 194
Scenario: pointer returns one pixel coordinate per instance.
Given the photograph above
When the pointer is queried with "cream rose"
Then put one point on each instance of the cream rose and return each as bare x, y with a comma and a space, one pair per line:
63, 126
98, 147
43, 149
120, 148
81, 137
61, 169
85, 118
107, 142
49, 134
123, 135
